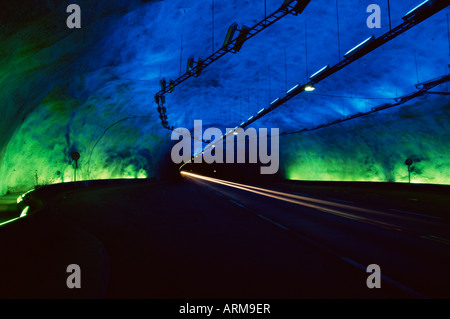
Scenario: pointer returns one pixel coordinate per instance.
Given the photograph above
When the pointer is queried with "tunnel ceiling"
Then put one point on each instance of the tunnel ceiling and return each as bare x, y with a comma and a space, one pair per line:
91, 89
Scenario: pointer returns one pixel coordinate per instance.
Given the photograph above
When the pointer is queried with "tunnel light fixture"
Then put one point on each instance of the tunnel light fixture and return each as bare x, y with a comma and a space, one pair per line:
250, 118
381, 107
171, 86
274, 101
292, 89
242, 124
360, 46
231, 31
315, 75
298, 8
24, 212
21, 197
190, 64
163, 84
309, 88
262, 110
200, 64
241, 38
426, 84
415, 10
403, 97
286, 3
301, 5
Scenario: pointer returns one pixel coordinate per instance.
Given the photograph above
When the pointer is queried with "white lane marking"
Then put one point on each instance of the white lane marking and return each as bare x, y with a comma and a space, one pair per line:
271, 221
236, 203
387, 279
340, 200
405, 212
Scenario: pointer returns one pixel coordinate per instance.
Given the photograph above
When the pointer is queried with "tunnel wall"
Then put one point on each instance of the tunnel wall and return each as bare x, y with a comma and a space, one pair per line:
375, 147
120, 145
91, 90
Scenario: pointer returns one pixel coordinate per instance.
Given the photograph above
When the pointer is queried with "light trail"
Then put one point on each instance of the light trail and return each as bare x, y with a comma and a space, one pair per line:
9, 221
299, 200
291, 198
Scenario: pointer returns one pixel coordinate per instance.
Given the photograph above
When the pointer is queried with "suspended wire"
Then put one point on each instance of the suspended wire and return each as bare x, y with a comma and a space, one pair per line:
306, 49
181, 52
417, 70
213, 26
257, 88
448, 35
389, 13
338, 31
270, 96
285, 70
265, 10
106, 130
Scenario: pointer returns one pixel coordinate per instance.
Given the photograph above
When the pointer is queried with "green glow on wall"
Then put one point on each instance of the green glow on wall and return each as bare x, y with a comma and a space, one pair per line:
33, 156
60, 92
374, 148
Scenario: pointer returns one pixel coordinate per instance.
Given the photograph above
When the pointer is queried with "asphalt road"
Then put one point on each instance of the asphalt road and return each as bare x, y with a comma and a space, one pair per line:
203, 239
